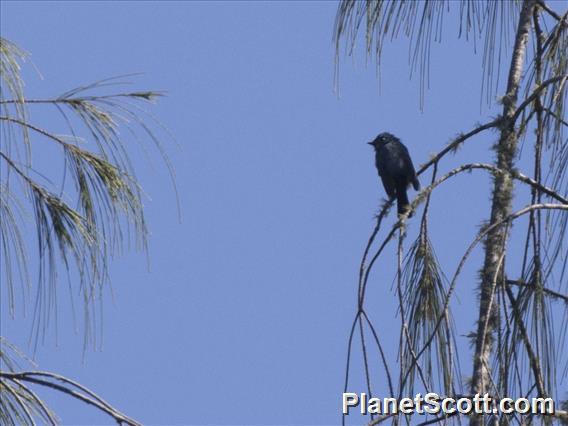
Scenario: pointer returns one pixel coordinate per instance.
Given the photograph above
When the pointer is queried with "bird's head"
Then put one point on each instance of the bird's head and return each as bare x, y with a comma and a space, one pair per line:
382, 139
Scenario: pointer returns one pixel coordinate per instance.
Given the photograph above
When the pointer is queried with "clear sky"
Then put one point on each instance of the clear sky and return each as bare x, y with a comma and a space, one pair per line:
243, 315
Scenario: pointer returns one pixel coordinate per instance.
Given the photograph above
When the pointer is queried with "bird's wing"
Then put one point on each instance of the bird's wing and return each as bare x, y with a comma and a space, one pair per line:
409, 170
389, 184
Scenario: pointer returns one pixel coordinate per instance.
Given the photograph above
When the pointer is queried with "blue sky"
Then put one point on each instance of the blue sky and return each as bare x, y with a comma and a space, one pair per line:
243, 314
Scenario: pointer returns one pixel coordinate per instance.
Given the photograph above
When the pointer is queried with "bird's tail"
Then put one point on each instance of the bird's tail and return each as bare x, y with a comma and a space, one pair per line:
402, 198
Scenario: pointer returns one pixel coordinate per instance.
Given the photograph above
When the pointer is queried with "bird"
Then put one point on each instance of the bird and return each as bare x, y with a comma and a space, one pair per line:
395, 169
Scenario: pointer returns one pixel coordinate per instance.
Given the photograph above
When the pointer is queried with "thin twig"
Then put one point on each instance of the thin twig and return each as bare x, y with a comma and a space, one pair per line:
90, 398
535, 364
548, 291
536, 92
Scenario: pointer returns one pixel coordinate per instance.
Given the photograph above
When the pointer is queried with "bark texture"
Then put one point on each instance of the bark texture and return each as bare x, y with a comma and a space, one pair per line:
493, 266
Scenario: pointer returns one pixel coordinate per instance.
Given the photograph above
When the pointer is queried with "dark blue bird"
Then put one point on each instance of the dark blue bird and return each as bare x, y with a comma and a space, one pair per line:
395, 169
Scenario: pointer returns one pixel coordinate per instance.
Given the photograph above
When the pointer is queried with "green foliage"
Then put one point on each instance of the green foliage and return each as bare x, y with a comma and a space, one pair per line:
80, 223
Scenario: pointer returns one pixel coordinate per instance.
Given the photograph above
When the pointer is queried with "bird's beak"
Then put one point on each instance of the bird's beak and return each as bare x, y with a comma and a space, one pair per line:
370, 143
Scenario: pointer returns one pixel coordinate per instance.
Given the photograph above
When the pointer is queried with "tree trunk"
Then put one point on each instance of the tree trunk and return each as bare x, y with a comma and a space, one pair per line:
493, 265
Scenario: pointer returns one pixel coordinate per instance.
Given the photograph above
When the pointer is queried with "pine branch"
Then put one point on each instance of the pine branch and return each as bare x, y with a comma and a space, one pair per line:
82, 393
